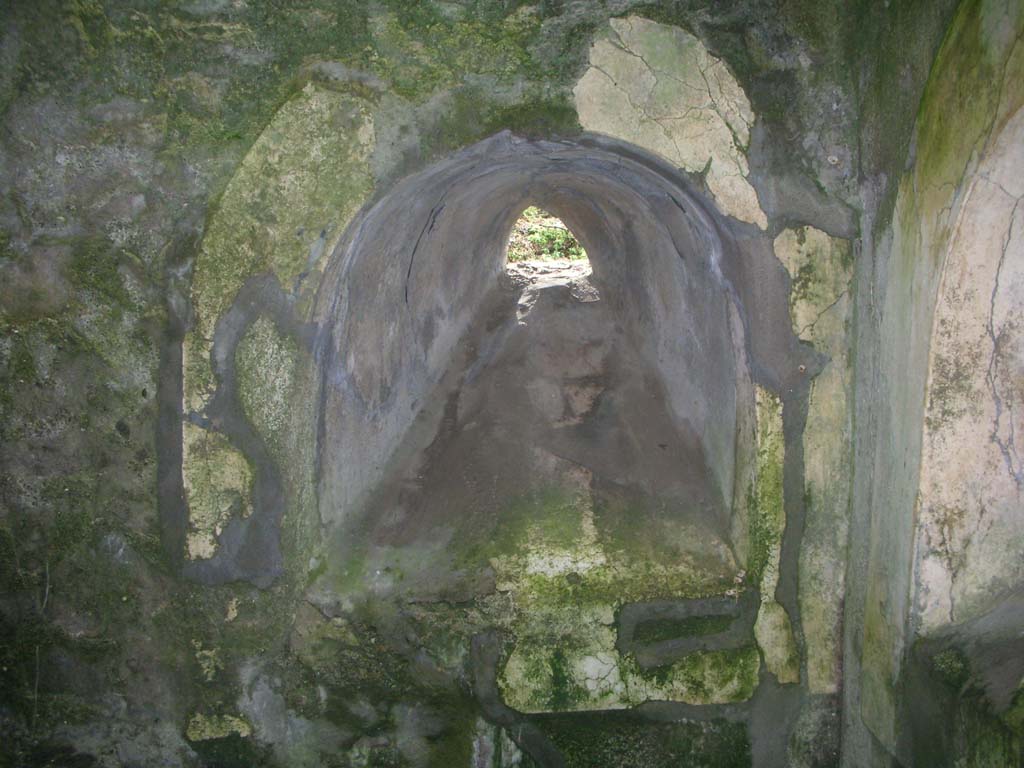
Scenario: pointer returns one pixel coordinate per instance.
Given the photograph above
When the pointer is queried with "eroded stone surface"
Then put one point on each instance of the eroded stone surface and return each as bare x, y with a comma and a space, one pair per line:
821, 270
217, 480
820, 267
266, 362
205, 727
567, 588
773, 629
658, 87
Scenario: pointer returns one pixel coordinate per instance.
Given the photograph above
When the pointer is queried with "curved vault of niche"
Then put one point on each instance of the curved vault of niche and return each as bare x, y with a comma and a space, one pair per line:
417, 283
480, 428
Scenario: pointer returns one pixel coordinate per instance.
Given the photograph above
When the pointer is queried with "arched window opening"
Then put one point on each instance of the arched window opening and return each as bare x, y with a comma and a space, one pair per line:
542, 242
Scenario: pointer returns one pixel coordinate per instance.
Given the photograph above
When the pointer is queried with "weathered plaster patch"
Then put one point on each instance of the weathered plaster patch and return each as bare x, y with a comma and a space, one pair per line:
218, 486
658, 87
820, 267
970, 530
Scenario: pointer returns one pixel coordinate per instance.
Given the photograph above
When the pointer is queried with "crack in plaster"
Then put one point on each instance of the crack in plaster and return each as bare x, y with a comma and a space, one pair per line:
708, 135
1006, 447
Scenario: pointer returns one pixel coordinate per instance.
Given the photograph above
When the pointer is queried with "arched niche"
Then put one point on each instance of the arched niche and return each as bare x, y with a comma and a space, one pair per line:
416, 270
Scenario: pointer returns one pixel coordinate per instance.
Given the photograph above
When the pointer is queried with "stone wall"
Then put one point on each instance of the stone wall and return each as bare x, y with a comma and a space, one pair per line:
920, 382
251, 300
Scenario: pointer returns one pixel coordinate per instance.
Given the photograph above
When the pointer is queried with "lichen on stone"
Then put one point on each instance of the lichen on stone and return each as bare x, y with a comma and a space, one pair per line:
820, 268
772, 628
217, 481
774, 635
265, 369
423, 58
566, 578
205, 727
209, 660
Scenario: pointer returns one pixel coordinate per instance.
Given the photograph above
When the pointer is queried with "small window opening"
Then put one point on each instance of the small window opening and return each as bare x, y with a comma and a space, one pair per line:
540, 240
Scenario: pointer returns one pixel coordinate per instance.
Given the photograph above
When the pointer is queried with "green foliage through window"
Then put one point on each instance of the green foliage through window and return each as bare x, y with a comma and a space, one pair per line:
539, 235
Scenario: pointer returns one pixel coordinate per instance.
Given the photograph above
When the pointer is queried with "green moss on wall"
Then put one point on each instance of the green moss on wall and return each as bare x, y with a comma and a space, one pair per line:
562, 547
423, 52
94, 267
658, 630
891, 48
765, 500
767, 524
566, 693
713, 677
470, 116
54, 560
232, 751
982, 740
301, 182
970, 80
1014, 715
623, 741
952, 667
